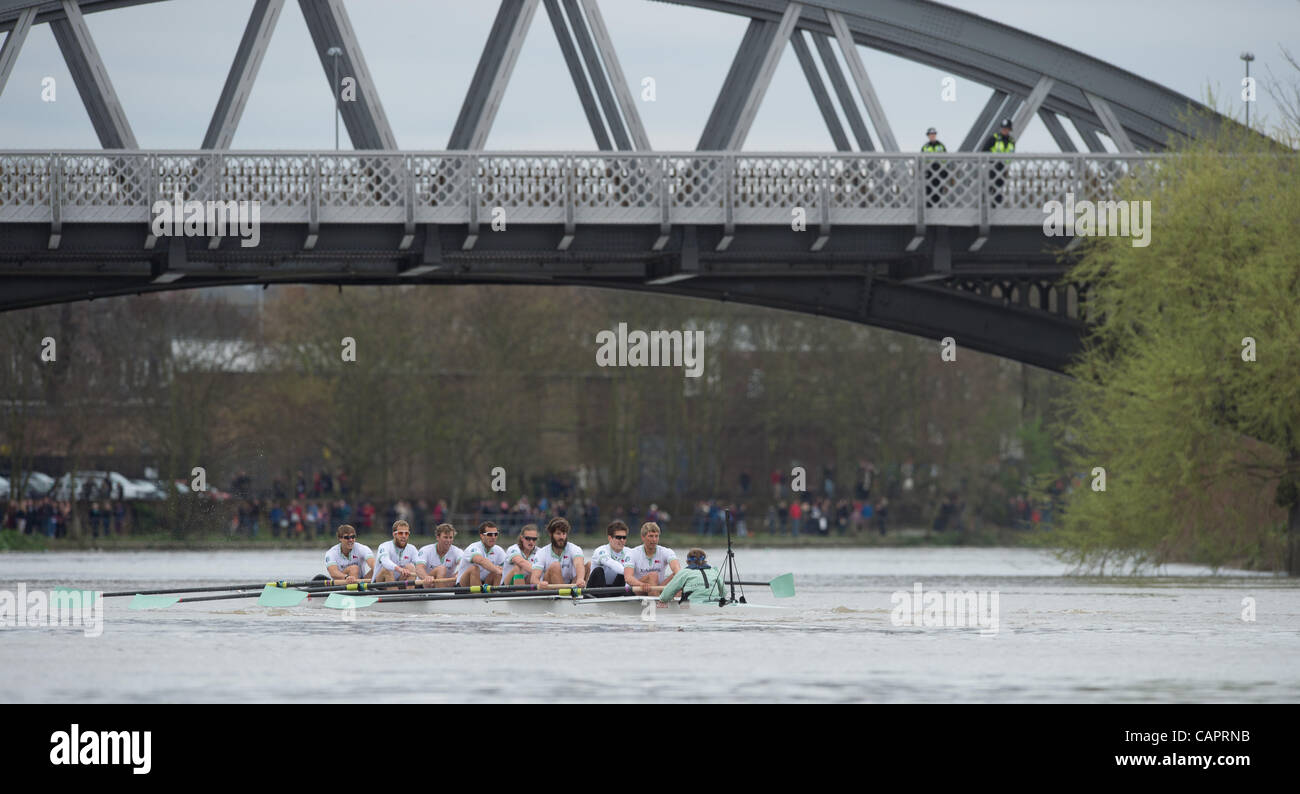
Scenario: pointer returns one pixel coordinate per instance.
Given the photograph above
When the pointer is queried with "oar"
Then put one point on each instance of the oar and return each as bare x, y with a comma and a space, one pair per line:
270, 595
782, 586
348, 601
274, 596
254, 586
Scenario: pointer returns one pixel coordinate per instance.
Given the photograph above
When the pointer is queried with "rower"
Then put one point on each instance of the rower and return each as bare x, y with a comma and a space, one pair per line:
521, 559
650, 565
698, 584
608, 561
399, 561
561, 561
442, 558
347, 559
482, 561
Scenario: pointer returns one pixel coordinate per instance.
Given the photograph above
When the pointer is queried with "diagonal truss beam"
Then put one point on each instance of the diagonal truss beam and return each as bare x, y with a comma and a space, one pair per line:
1035, 101
492, 74
987, 117
614, 74
820, 95
853, 59
596, 74
1108, 120
771, 56
747, 80
14, 44
845, 94
239, 82
739, 77
580, 82
1057, 129
328, 23
91, 78
1088, 134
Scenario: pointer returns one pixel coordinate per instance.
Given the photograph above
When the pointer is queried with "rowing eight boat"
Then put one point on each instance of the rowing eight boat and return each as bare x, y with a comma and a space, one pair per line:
645, 607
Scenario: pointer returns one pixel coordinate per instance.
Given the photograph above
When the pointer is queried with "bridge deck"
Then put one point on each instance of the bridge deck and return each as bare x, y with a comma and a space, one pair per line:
955, 189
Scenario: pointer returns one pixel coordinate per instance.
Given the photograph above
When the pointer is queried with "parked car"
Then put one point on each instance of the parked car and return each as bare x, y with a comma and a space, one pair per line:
150, 490
73, 486
4, 487
38, 485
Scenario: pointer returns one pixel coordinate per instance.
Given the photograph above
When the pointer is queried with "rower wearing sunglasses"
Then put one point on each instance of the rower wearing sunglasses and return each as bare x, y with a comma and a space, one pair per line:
521, 559
608, 561
347, 560
483, 559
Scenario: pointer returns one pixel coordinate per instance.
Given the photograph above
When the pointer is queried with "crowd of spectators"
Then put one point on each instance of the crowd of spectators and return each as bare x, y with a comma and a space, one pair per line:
311, 507
52, 517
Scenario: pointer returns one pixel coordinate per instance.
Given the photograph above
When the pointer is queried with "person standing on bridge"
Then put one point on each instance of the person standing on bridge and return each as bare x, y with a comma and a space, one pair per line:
999, 142
936, 171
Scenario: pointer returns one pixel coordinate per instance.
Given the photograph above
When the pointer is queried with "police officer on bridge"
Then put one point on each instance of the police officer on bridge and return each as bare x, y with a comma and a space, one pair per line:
936, 171
999, 142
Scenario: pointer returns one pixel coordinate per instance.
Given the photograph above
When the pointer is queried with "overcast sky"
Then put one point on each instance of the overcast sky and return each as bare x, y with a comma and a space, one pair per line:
168, 62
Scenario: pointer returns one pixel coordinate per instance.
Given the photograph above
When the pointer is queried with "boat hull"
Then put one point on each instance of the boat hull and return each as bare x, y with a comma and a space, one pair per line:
644, 607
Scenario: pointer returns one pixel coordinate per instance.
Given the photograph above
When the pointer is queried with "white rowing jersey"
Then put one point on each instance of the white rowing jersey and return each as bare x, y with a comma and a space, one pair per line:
357, 557
391, 558
548, 555
642, 564
612, 561
515, 551
497, 556
450, 560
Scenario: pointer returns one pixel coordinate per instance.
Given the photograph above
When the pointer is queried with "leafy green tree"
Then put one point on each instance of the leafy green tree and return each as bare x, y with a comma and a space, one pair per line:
1190, 432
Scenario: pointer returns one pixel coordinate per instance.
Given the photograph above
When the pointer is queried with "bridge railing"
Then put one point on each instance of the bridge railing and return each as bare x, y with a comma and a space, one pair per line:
558, 187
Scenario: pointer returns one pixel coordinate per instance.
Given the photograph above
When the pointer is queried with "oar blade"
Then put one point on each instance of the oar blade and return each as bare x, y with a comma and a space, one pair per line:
87, 597
340, 601
783, 586
280, 597
153, 601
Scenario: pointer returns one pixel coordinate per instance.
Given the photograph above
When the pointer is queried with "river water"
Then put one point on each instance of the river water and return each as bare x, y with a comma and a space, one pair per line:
1177, 636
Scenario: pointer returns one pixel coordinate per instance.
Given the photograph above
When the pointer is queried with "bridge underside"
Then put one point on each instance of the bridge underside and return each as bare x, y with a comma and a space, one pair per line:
1004, 298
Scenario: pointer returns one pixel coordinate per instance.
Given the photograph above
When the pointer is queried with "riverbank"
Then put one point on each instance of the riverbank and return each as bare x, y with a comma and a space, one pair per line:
902, 538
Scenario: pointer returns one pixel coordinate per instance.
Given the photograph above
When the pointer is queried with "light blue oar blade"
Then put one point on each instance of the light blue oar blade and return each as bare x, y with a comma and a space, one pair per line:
340, 601
783, 586
153, 601
280, 597
88, 597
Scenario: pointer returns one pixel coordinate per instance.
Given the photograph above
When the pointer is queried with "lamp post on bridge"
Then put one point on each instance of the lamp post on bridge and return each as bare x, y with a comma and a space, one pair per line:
1248, 57
335, 53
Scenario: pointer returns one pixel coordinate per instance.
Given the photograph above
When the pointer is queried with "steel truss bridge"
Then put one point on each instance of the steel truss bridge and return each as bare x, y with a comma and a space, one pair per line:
934, 245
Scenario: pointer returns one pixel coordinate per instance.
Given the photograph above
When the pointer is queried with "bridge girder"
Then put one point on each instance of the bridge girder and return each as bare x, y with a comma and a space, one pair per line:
1136, 113
863, 275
